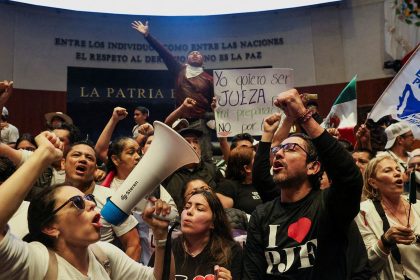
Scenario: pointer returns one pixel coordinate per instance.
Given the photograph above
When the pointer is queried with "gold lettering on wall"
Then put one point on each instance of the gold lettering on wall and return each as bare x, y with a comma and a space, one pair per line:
126, 93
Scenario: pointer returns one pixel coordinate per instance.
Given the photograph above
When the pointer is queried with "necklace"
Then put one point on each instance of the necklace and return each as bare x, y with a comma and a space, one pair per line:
393, 212
184, 244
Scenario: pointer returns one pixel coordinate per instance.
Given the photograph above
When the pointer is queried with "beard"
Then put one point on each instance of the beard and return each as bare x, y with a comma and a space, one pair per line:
287, 181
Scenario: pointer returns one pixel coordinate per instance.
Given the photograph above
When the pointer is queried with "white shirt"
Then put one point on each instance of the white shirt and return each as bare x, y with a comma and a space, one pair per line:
19, 222
9, 134
22, 260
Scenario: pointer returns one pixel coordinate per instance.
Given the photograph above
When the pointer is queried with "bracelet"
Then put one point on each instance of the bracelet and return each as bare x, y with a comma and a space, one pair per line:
305, 116
160, 243
385, 242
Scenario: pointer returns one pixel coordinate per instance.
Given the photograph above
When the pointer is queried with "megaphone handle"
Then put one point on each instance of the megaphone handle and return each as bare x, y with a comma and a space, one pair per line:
168, 218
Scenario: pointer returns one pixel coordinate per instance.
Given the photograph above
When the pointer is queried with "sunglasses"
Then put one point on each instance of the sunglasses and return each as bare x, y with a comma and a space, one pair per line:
196, 190
287, 148
78, 201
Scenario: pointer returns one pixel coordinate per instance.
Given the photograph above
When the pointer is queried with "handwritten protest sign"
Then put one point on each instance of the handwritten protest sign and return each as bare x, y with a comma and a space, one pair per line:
245, 97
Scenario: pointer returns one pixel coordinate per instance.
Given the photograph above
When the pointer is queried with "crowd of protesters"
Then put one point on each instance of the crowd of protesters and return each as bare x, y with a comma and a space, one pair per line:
302, 205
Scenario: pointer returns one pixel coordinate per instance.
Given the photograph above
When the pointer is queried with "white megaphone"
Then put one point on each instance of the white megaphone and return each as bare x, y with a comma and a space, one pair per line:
168, 152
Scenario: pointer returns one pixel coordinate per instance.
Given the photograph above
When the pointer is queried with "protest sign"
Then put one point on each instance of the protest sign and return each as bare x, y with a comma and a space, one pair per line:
245, 97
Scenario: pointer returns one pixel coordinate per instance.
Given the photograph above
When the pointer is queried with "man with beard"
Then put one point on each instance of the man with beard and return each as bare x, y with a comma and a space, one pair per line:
303, 233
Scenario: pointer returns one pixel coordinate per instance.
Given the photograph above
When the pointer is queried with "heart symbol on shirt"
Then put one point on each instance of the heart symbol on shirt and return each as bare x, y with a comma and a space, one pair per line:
207, 277
299, 229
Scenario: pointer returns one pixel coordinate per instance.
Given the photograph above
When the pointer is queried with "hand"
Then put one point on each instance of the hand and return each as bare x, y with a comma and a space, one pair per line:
222, 273
158, 226
334, 132
99, 175
400, 235
140, 27
49, 144
363, 134
5, 85
6, 89
119, 113
189, 107
291, 103
145, 129
271, 123
213, 104
188, 104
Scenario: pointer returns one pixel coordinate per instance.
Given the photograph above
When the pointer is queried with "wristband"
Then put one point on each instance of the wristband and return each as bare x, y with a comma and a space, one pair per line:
305, 116
160, 243
385, 242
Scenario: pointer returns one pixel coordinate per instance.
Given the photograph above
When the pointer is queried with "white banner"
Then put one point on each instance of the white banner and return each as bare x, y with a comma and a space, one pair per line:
245, 97
401, 99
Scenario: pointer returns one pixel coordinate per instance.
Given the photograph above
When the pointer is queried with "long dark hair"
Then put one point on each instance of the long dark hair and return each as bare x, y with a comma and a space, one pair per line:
26, 137
39, 215
238, 158
220, 236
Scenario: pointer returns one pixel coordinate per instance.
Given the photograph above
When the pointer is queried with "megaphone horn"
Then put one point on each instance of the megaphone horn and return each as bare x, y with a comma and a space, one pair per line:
168, 152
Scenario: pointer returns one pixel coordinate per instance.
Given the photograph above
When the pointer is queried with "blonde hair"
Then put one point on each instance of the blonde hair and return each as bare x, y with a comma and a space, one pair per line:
369, 191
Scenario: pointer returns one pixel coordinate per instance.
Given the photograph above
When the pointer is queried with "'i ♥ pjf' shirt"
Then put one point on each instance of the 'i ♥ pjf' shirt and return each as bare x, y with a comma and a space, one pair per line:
288, 236
307, 239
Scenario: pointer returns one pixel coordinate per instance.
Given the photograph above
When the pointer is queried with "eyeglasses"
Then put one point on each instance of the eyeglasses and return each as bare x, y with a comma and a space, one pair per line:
287, 148
78, 202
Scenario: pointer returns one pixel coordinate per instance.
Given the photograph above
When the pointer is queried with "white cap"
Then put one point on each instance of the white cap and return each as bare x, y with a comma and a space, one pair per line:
5, 112
395, 130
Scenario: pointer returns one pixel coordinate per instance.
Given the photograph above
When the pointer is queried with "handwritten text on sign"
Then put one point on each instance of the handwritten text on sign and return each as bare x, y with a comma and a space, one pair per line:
245, 97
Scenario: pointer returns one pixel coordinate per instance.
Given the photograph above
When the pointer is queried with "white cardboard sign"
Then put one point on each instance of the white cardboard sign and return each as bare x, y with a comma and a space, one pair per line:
245, 97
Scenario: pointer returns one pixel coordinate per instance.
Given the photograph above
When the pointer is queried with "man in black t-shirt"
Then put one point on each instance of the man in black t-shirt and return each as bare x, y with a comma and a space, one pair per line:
303, 233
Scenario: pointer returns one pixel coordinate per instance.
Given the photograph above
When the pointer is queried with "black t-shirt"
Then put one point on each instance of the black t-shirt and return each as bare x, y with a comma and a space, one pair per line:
201, 267
287, 236
307, 239
245, 196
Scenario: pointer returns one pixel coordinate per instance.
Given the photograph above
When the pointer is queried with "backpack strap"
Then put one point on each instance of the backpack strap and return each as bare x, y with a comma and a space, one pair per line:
52, 272
101, 257
395, 252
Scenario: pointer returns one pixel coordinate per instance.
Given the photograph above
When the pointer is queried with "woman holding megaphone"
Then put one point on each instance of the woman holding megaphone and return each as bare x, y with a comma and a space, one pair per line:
65, 226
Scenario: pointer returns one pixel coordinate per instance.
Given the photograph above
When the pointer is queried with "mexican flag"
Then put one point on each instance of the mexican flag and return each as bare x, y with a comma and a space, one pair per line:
343, 114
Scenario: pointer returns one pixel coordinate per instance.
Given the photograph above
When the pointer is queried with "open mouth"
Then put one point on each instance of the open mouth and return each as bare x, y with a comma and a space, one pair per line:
81, 169
278, 165
399, 182
96, 221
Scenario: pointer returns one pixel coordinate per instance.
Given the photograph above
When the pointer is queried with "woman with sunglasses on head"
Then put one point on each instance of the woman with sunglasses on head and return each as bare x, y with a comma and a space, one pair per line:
237, 190
63, 220
390, 229
205, 248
